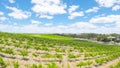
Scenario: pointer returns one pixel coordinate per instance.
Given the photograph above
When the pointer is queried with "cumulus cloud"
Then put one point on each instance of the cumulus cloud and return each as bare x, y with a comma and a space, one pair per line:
1, 13
46, 16
75, 14
116, 7
73, 8
106, 19
2, 26
48, 24
11, 1
72, 12
94, 9
114, 4
35, 22
2, 17
48, 8
76, 27
106, 3
17, 13
82, 25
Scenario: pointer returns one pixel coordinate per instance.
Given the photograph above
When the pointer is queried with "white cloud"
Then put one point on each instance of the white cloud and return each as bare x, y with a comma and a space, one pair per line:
106, 19
30, 28
46, 16
116, 7
118, 24
75, 14
77, 27
106, 3
35, 22
72, 12
2, 26
73, 8
48, 24
94, 9
82, 25
109, 4
15, 24
18, 14
2, 17
1, 13
48, 8
11, 1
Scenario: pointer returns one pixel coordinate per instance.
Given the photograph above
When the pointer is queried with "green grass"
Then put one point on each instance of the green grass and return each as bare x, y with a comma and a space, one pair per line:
51, 36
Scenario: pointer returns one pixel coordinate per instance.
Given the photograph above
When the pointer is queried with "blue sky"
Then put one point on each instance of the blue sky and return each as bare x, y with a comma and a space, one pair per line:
60, 16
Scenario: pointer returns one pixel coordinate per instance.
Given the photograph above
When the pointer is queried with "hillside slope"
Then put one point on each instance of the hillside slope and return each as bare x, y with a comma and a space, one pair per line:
48, 51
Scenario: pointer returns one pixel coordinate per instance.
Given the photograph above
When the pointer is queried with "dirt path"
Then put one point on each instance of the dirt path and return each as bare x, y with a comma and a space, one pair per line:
65, 61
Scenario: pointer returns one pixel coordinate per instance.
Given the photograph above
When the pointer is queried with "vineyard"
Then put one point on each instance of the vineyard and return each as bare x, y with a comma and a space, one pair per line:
53, 51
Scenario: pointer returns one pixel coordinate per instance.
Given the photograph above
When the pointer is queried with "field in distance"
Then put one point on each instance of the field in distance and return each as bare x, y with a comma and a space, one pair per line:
55, 51
51, 36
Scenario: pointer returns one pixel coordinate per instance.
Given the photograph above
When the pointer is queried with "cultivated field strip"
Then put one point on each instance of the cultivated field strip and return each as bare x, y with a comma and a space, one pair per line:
29, 51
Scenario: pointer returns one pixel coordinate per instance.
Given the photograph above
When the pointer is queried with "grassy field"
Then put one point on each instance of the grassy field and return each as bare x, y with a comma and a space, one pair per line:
53, 51
51, 36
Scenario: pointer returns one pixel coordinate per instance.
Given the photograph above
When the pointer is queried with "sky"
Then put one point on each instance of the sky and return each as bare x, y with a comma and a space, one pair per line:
60, 16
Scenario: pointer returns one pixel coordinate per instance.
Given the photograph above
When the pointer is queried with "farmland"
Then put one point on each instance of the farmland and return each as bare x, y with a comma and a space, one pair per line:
53, 51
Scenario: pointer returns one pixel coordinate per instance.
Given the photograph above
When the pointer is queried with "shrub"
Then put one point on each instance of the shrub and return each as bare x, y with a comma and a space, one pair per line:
45, 48
9, 51
0, 49
35, 54
17, 45
52, 65
2, 63
59, 50
59, 56
37, 47
16, 64
73, 56
34, 66
47, 56
26, 46
40, 66
87, 63
100, 61
68, 65
24, 53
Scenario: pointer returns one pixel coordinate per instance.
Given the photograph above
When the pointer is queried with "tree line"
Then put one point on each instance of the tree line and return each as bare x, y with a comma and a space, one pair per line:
97, 37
